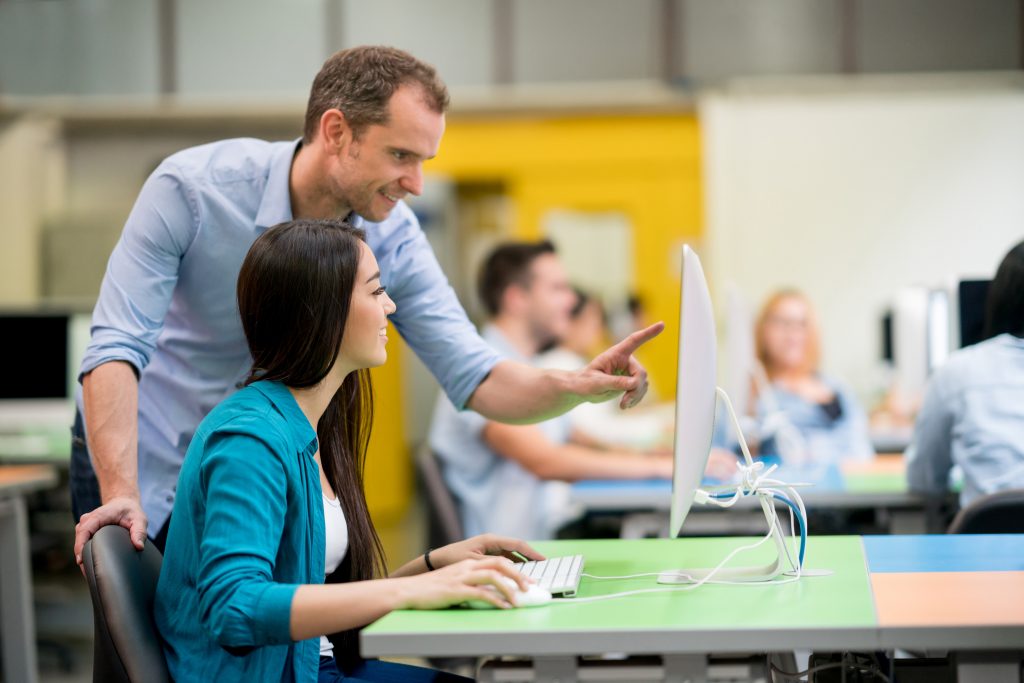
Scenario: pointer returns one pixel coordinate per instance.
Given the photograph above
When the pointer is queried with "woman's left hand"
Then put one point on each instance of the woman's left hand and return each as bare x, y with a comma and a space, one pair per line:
481, 546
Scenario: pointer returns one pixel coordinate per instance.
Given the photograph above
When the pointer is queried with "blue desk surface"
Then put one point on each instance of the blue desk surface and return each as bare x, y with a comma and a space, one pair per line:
944, 553
826, 478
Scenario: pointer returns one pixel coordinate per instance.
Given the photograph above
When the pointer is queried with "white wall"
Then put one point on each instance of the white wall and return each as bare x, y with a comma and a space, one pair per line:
850, 191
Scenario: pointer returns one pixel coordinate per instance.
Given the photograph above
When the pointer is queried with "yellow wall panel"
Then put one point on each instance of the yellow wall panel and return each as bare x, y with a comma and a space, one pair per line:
388, 463
645, 167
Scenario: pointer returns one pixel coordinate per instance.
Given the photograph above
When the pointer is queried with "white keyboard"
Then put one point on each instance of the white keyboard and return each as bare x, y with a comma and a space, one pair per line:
559, 575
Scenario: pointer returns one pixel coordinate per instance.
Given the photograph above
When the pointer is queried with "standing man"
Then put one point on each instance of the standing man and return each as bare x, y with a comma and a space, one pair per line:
167, 343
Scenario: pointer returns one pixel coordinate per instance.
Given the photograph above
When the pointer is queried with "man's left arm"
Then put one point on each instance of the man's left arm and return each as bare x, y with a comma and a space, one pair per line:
434, 323
518, 393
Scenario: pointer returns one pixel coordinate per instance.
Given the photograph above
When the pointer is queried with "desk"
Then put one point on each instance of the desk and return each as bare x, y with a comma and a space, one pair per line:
17, 625
863, 605
878, 483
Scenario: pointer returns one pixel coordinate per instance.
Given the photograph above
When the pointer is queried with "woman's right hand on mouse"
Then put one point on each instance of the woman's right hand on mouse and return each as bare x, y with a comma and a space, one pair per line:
481, 579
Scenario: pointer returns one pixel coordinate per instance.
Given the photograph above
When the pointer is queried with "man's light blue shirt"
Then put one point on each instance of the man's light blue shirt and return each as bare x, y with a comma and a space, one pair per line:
494, 493
168, 306
247, 531
972, 417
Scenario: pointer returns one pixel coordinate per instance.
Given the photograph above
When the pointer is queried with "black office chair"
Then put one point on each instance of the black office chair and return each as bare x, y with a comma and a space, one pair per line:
445, 524
122, 582
997, 513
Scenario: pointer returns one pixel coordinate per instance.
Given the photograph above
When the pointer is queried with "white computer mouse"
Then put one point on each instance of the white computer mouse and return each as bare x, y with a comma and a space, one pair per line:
533, 596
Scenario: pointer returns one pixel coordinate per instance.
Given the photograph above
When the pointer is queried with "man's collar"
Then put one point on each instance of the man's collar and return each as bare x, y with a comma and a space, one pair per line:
276, 205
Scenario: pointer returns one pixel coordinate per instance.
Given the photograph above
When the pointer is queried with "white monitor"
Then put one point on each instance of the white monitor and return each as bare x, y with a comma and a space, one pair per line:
696, 397
910, 342
695, 389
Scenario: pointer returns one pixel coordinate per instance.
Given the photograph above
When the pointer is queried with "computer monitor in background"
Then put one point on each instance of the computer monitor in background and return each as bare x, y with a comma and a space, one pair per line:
910, 342
886, 340
42, 352
740, 360
939, 330
971, 299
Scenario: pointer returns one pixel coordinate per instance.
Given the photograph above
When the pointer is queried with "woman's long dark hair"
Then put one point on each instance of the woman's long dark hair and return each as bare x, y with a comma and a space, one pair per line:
294, 292
1004, 309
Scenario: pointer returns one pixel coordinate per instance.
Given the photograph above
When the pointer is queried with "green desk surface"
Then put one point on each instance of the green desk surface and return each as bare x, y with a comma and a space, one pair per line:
870, 482
721, 618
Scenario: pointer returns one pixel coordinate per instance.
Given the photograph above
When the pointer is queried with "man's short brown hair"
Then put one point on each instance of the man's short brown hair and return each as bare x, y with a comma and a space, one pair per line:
507, 265
360, 81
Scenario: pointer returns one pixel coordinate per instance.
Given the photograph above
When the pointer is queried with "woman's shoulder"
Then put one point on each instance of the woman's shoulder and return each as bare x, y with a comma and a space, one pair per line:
247, 414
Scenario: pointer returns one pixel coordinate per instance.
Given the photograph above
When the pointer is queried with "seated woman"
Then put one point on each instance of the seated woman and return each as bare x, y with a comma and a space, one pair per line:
973, 410
801, 415
270, 498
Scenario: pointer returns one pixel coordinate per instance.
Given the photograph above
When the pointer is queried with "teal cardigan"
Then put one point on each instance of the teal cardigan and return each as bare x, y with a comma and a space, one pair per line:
247, 529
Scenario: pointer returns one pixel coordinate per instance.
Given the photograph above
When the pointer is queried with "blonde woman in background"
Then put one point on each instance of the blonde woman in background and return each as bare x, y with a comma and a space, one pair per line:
802, 415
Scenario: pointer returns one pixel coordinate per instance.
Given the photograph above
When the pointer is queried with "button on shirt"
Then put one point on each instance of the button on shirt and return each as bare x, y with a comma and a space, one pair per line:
972, 417
496, 494
247, 530
167, 304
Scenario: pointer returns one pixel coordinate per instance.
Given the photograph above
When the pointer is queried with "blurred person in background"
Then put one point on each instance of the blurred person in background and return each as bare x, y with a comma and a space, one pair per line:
800, 414
973, 411
511, 478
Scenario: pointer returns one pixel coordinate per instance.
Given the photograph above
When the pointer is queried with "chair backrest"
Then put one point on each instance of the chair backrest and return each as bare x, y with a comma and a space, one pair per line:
122, 582
445, 523
997, 513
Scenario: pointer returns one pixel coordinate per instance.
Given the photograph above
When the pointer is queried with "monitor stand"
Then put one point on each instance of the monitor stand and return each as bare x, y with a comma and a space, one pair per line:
765, 572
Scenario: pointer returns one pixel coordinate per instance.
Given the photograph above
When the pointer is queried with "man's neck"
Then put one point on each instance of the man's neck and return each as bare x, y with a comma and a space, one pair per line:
307, 186
517, 333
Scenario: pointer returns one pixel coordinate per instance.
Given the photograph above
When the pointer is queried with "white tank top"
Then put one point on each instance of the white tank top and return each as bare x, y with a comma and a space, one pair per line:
337, 546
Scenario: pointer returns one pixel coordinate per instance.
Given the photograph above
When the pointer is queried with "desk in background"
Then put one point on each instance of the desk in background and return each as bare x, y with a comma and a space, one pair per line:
17, 624
957, 593
878, 484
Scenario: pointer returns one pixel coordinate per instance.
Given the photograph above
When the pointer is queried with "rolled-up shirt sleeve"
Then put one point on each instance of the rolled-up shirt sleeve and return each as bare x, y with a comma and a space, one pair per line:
430, 317
141, 273
241, 606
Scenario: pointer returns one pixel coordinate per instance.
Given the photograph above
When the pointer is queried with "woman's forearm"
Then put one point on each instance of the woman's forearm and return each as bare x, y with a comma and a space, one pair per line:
411, 568
329, 608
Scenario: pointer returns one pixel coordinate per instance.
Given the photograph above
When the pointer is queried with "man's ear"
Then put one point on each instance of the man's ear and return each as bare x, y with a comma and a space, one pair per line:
334, 130
513, 298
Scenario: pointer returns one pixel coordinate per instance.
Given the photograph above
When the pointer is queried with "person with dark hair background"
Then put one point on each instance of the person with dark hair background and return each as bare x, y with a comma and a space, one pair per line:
973, 411
270, 497
167, 344
511, 478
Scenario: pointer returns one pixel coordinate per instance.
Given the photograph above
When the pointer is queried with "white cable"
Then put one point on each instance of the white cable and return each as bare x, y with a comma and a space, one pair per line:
709, 578
677, 589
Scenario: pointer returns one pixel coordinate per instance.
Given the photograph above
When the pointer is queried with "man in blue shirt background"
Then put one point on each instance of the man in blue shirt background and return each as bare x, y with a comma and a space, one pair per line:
167, 344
